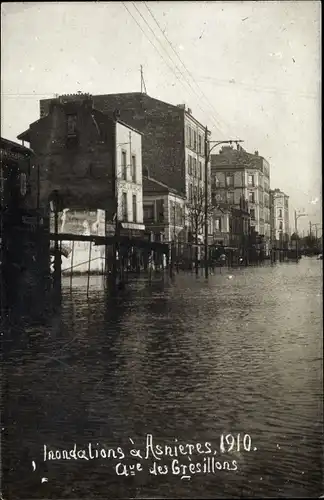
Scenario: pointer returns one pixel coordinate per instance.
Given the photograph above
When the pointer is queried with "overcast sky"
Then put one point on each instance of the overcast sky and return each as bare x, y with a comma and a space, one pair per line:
249, 70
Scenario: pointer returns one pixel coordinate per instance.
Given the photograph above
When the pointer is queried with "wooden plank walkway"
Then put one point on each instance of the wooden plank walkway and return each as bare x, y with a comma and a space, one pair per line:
110, 240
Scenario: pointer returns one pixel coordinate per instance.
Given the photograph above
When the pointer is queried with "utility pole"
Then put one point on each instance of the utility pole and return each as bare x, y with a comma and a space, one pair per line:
143, 86
115, 197
310, 229
141, 70
207, 157
296, 231
57, 254
174, 223
206, 202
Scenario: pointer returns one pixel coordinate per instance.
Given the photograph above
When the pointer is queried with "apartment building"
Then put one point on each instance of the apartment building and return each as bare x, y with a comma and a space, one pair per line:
93, 162
238, 175
92, 159
279, 217
173, 140
164, 211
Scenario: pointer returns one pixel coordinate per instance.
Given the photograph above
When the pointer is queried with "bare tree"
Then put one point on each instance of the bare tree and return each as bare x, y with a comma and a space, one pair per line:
195, 216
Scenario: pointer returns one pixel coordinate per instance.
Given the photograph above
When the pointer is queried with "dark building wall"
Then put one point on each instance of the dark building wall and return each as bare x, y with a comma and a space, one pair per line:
78, 166
24, 242
162, 125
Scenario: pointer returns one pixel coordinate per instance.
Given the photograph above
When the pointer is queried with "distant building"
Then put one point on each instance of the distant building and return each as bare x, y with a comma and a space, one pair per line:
238, 175
78, 148
173, 141
279, 217
24, 252
221, 226
163, 211
94, 161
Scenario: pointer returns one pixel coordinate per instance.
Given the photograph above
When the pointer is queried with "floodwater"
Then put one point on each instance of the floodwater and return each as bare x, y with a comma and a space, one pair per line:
178, 359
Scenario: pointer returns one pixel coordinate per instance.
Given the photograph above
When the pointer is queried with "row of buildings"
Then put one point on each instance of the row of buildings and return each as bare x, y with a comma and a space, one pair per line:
137, 163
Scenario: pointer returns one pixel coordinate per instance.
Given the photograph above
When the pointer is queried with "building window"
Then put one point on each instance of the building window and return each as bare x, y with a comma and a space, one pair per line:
217, 224
190, 193
124, 165
180, 213
134, 168
124, 207
230, 197
190, 165
195, 140
251, 197
229, 180
251, 180
148, 212
194, 167
160, 211
134, 208
71, 125
199, 144
280, 213
252, 214
280, 226
188, 136
200, 170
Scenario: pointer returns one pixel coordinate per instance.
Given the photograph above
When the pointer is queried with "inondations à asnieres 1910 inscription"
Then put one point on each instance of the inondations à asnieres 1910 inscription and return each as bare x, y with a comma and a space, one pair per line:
183, 460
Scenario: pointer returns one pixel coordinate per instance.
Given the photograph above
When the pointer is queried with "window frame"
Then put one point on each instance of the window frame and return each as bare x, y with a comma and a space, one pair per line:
134, 168
189, 164
71, 132
124, 166
252, 195
134, 207
229, 176
149, 206
124, 207
251, 184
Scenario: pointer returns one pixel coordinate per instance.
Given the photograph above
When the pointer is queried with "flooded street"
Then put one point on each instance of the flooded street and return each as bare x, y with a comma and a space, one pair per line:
178, 359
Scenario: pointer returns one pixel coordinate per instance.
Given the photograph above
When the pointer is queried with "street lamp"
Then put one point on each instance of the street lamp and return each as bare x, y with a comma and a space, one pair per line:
207, 157
55, 205
296, 229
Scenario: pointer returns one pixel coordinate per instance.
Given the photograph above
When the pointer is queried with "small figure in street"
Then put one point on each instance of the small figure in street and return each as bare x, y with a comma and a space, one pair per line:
222, 259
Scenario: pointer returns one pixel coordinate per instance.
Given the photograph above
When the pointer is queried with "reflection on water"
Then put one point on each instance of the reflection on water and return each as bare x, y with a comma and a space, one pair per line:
181, 359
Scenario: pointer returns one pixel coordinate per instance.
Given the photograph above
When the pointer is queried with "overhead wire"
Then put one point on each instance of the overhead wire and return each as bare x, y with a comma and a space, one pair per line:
258, 88
167, 63
183, 64
218, 125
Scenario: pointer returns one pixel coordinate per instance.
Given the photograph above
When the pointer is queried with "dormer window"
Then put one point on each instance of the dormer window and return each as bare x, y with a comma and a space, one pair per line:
71, 125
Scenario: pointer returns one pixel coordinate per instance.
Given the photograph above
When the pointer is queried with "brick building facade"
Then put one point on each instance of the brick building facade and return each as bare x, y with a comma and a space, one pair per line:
173, 140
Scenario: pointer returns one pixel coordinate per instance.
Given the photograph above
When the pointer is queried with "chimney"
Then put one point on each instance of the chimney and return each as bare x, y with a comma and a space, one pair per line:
182, 106
189, 111
256, 153
116, 114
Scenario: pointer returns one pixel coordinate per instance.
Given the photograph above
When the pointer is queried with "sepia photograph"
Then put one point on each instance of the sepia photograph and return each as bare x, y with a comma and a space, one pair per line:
161, 250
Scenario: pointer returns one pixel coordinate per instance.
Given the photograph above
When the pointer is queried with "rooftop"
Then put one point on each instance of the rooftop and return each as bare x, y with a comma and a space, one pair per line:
151, 185
25, 136
14, 147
